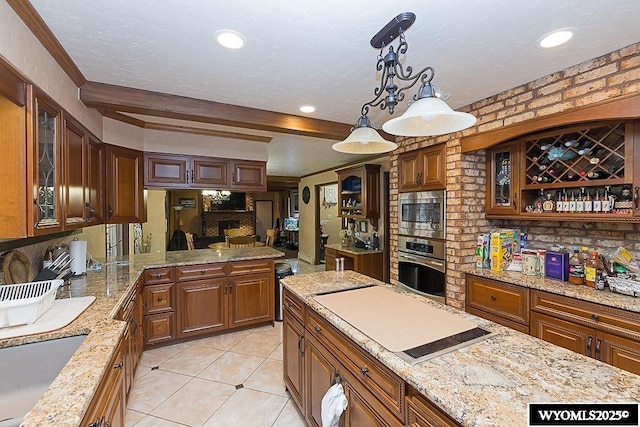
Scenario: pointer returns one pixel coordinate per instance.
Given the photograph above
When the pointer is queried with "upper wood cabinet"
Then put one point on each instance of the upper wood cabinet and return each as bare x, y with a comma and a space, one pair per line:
125, 201
248, 175
46, 170
171, 170
83, 173
359, 189
422, 170
577, 164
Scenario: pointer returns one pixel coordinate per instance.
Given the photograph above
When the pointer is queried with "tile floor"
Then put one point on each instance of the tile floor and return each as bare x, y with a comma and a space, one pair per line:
233, 379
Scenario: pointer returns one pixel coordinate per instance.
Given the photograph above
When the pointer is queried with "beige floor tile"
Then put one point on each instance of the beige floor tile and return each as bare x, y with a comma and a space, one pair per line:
156, 356
222, 342
192, 360
154, 388
141, 371
269, 330
150, 421
231, 368
194, 403
248, 408
132, 417
277, 353
267, 378
260, 345
290, 416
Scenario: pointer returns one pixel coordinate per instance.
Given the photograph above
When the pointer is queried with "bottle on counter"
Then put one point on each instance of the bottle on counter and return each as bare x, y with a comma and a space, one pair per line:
572, 203
559, 202
588, 202
592, 268
576, 268
597, 202
607, 206
565, 201
580, 201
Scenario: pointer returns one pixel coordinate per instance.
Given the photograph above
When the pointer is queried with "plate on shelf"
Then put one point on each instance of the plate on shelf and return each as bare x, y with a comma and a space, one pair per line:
16, 268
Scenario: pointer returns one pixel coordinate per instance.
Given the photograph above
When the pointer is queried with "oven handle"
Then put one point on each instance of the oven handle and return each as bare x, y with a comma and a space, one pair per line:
436, 265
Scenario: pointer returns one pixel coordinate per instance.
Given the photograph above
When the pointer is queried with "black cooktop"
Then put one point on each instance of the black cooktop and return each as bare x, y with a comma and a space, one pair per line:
444, 343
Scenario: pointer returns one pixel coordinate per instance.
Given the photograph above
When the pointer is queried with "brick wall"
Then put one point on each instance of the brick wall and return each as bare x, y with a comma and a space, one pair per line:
247, 219
599, 79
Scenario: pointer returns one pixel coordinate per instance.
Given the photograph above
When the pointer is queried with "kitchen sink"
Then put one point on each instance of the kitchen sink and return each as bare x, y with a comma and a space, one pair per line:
27, 371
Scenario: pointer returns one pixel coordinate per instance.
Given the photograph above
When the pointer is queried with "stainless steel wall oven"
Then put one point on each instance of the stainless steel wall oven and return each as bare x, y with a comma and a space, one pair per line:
422, 266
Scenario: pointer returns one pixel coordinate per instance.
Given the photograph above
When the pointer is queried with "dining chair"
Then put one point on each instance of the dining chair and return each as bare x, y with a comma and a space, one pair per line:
190, 245
233, 232
242, 241
271, 236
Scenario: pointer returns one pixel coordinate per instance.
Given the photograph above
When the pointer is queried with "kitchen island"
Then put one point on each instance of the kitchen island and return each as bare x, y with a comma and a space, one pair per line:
488, 383
67, 399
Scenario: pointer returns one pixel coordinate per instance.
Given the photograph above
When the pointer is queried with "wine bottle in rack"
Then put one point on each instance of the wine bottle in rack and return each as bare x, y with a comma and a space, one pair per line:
588, 202
580, 201
597, 203
571, 143
571, 176
598, 174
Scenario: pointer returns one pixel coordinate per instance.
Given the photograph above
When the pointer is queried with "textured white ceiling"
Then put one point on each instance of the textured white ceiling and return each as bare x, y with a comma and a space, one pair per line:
318, 52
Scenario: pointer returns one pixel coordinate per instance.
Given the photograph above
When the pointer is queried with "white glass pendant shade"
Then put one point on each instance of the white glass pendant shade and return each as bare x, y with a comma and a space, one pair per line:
364, 140
428, 117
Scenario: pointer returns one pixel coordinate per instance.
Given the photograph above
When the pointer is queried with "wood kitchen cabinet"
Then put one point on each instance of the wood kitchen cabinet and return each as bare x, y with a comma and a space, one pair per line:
109, 402
131, 312
422, 413
500, 302
321, 370
47, 176
422, 170
503, 180
195, 300
181, 171
83, 183
202, 304
361, 261
359, 189
604, 333
125, 200
293, 356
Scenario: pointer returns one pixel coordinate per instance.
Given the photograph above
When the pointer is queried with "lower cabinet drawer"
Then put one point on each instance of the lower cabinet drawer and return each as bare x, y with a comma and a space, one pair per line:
377, 378
498, 298
158, 298
200, 271
159, 328
249, 267
293, 305
422, 413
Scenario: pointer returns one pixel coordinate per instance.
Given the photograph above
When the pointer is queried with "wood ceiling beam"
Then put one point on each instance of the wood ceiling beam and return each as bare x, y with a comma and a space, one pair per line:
207, 132
118, 98
32, 19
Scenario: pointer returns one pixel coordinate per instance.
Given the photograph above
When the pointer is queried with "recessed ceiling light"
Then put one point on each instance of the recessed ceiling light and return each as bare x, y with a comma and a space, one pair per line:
307, 108
555, 38
230, 39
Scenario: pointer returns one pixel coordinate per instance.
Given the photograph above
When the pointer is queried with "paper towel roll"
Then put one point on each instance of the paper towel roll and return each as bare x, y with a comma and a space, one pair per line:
78, 252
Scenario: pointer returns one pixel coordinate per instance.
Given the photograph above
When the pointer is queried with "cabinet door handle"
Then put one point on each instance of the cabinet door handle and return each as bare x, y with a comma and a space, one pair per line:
110, 211
318, 329
589, 341
301, 345
493, 298
289, 304
636, 197
158, 275
97, 423
364, 370
186, 176
515, 201
119, 365
202, 271
192, 176
159, 299
233, 178
230, 287
90, 212
595, 317
40, 213
598, 343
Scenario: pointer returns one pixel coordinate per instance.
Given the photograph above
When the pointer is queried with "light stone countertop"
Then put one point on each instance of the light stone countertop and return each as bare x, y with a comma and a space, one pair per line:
67, 399
352, 249
585, 293
488, 383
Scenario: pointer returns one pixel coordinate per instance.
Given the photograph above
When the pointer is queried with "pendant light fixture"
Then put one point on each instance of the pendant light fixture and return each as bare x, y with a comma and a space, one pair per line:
429, 115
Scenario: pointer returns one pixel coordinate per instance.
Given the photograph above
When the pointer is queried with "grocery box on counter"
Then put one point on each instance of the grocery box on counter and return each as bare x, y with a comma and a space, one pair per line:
503, 245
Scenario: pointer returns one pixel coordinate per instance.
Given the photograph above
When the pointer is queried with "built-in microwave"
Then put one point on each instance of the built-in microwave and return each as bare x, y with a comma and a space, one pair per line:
422, 214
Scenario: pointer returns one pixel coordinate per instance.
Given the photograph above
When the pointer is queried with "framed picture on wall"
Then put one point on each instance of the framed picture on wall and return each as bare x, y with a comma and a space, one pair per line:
187, 203
362, 226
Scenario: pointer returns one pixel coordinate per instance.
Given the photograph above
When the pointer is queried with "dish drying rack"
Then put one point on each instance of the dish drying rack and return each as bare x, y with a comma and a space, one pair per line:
24, 303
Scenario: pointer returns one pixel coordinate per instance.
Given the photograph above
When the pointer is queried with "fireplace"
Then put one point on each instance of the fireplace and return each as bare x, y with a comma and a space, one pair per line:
226, 224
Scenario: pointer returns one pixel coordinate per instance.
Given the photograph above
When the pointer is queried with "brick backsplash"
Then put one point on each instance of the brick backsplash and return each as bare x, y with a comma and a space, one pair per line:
608, 76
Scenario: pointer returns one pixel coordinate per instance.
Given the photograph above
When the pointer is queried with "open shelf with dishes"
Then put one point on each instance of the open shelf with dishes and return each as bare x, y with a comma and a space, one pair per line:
359, 193
581, 172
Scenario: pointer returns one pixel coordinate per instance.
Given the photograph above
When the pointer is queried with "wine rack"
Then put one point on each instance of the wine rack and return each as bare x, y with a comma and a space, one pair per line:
578, 156
590, 163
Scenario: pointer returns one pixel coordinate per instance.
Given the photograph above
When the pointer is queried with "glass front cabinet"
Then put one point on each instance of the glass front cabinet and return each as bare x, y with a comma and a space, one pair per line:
47, 177
502, 176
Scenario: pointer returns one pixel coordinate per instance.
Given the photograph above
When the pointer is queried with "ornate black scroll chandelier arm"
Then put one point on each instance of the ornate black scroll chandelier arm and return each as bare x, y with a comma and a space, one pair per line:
388, 94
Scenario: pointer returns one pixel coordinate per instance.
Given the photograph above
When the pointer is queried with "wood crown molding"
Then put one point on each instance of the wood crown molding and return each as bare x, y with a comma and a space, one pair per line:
129, 100
32, 19
619, 108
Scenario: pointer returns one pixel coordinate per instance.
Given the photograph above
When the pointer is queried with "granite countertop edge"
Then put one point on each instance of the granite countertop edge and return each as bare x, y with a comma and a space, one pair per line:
67, 399
352, 249
585, 293
489, 383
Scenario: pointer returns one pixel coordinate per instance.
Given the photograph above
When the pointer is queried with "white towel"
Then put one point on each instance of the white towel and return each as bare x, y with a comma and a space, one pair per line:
334, 403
